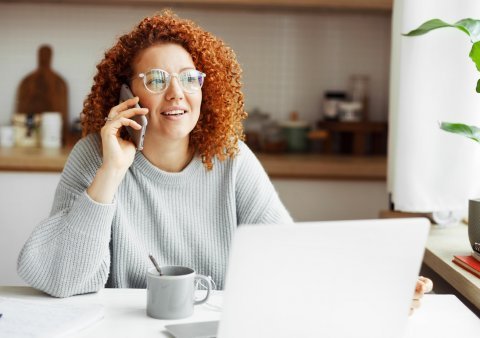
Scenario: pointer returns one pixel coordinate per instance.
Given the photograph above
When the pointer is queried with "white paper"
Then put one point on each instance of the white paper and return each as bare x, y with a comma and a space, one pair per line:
22, 318
442, 316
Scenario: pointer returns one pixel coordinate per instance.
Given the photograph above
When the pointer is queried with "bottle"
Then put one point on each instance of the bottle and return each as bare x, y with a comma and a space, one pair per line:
7, 139
359, 87
51, 130
25, 128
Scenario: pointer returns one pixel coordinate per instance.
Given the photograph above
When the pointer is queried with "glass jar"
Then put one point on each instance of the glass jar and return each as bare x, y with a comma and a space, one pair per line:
253, 127
359, 92
330, 103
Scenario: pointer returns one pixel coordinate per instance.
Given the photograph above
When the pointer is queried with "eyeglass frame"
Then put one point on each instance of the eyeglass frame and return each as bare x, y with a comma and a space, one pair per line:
143, 77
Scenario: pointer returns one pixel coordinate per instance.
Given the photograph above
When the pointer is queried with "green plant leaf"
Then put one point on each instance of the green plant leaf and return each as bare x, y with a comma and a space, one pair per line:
475, 54
427, 27
471, 132
471, 27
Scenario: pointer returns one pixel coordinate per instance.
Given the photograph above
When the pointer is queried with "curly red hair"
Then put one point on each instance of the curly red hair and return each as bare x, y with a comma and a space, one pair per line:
219, 127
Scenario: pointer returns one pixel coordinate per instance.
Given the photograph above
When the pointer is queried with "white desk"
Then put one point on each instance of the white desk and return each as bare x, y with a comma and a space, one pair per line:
440, 315
442, 245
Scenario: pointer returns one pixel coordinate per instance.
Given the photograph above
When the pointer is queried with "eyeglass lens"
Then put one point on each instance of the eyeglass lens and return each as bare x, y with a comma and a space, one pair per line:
157, 80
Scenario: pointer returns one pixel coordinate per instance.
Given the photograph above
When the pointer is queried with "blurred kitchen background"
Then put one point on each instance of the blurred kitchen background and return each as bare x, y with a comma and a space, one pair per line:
315, 81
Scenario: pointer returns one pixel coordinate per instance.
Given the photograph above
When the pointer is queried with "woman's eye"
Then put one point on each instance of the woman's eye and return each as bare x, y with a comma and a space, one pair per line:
156, 81
190, 78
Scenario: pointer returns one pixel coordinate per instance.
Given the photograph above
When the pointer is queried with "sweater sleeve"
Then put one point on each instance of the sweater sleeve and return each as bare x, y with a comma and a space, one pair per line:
257, 200
68, 253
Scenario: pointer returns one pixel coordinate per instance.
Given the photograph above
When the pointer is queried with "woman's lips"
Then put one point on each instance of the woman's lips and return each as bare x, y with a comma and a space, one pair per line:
174, 112
174, 115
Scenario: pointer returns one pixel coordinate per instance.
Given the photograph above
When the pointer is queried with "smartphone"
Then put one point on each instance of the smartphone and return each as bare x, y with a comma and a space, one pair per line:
137, 135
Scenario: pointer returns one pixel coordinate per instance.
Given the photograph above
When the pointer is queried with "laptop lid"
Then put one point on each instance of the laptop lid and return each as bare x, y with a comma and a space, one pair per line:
323, 279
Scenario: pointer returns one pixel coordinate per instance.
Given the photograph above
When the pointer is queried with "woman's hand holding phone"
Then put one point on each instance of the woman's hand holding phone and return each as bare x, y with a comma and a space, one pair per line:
118, 154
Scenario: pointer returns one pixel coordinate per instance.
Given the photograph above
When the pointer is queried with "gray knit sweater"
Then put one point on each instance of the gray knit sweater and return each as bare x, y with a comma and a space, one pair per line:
186, 218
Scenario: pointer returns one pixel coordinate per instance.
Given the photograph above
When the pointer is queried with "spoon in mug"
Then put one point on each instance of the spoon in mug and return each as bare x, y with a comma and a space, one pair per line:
155, 263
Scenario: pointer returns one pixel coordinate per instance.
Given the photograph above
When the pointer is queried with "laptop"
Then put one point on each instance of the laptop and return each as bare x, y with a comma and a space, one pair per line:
319, 279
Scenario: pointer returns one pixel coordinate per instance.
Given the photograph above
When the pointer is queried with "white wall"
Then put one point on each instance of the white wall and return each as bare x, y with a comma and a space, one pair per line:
289, 58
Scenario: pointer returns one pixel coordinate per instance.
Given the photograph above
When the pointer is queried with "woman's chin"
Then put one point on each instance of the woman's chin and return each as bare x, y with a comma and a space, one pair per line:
160, 137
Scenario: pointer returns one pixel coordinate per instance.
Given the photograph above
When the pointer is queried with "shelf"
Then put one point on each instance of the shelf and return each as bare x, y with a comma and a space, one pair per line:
359, 134
382, 5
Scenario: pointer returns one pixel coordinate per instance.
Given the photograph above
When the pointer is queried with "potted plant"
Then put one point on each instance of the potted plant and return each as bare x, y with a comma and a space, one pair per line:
472, 28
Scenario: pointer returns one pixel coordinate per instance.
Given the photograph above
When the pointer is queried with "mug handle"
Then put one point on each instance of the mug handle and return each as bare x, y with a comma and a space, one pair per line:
209, 283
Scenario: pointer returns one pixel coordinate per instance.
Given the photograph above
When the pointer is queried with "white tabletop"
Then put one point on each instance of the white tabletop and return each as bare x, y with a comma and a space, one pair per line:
125, 316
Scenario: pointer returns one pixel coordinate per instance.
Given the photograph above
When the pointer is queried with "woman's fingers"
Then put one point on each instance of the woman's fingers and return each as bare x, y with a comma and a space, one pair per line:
122, 106
127, 108
428, 284
423, 285
119, 116
120, 122
128, 122
420, 288
132, 112
128, 113
415, 305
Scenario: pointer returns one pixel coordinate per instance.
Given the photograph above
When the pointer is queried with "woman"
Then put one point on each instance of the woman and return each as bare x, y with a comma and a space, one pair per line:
182, 197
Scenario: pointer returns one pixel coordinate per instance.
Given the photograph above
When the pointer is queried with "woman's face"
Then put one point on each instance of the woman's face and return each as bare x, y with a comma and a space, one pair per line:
173, 113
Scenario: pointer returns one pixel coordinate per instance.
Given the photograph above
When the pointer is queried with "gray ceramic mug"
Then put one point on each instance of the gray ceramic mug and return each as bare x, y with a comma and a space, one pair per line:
474, 224
172, 295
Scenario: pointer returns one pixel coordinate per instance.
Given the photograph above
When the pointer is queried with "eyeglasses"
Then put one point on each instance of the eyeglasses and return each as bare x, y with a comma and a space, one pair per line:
157, 80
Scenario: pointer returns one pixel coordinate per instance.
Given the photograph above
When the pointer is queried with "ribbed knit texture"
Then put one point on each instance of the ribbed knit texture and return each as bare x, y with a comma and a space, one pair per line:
186, 218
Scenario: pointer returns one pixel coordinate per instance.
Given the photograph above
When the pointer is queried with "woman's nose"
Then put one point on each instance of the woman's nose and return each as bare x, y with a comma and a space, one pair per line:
174, 89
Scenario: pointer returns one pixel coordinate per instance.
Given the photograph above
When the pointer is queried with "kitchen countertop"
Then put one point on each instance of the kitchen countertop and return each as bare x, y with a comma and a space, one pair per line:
298, 166
33, 159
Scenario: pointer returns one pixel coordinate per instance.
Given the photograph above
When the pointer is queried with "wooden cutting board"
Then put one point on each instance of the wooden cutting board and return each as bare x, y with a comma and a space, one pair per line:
43, 90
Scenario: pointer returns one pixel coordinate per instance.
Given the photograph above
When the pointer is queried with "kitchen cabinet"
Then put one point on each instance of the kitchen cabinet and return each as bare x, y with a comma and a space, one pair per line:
385, 5
25, 200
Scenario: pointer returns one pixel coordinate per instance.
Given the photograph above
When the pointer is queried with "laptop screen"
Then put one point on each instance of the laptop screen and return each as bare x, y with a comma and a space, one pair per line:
323, 279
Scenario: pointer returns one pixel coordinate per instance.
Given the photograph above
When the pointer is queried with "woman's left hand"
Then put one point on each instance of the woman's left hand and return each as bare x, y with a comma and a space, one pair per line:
423, 285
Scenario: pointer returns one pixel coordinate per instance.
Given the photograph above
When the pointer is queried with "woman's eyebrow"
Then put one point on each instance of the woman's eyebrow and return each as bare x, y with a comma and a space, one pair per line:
186, 68
147, 69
